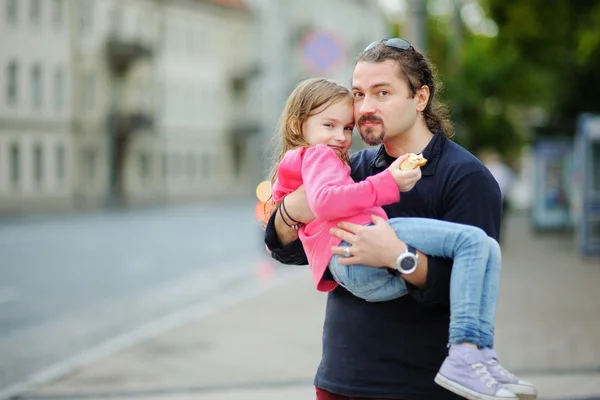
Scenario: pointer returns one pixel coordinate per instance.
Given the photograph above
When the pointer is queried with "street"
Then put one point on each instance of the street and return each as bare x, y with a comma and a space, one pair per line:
268, 345
71, 282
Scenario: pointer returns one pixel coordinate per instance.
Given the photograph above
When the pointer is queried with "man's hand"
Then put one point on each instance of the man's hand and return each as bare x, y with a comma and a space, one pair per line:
406, 180
298, 209
376, 246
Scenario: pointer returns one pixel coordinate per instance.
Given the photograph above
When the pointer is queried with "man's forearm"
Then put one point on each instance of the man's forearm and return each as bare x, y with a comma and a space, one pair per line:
419, 277
436, 289
285, 234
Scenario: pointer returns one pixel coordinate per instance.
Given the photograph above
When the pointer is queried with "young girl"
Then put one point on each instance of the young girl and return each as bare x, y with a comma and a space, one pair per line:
316, 128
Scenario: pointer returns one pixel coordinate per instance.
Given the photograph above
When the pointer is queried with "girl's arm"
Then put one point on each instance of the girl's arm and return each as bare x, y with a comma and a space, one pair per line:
331, 192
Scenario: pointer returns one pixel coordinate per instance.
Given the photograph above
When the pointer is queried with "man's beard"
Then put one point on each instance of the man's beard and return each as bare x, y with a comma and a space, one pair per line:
369, 135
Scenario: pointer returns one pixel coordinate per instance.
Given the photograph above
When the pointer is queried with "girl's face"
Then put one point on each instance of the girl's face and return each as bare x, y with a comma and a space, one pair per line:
332, 126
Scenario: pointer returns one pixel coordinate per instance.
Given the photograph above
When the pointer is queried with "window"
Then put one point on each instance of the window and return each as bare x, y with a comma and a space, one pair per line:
206, 160
165, 165
176, 165
190, 33
36, 86
89, 91
12, 78
90, 164
141, 24
144, 165
86, 16
12, 12
59, 89
57, 13
38, 164
15, 164
201, 40
35, 11
116, 21
60, 163
191, 165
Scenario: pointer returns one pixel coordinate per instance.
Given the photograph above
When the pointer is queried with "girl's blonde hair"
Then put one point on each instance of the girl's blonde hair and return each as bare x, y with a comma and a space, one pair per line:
309, 98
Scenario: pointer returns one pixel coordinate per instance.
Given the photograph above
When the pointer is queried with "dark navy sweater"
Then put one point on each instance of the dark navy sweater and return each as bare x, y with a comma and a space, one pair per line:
393, 349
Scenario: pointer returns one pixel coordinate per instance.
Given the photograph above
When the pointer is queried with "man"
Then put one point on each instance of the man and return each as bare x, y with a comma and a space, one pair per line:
393, 349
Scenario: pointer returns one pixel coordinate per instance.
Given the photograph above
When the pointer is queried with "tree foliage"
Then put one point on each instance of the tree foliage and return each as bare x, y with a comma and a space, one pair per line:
557, 43
542, 68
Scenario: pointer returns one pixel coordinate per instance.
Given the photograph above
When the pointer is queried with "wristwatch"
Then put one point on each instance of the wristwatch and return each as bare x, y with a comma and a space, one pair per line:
407, 262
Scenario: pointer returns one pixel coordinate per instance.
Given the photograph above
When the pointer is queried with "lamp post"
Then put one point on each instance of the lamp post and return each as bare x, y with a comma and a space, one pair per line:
417, 24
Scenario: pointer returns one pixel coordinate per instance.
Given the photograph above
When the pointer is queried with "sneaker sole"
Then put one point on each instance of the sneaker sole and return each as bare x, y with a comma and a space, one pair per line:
521, 390
464, 391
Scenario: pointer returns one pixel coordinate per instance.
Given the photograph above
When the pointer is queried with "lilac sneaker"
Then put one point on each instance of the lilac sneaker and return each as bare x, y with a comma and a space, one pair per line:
508, 380
464, 373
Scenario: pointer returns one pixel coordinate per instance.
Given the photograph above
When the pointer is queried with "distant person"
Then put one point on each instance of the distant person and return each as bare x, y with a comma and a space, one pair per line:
505, 178
316, 134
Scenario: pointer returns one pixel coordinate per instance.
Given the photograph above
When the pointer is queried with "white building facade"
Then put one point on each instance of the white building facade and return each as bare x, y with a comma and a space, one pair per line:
129, 102
205, 67
102, 31
36, 146
145, 101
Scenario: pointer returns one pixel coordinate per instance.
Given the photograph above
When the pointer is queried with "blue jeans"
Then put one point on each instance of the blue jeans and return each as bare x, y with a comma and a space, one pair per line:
474, 283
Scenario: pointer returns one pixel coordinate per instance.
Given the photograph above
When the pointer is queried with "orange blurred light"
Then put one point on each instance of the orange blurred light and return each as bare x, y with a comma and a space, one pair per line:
263, 191
263, 211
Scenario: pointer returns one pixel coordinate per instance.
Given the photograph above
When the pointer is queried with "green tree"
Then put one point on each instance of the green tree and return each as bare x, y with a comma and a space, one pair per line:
474, 78
557, 48
545, 58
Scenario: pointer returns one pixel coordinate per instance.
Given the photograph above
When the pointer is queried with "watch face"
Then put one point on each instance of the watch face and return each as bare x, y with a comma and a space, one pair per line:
407, 263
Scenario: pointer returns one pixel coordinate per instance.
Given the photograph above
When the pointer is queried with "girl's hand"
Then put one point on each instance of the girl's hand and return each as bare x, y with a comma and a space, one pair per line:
406, 180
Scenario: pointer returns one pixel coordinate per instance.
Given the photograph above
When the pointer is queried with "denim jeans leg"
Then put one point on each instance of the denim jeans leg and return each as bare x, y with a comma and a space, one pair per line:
368, 283
469, 247
489, 300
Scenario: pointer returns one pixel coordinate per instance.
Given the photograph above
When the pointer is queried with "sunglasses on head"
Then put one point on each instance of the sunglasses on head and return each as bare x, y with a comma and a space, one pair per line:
397, 43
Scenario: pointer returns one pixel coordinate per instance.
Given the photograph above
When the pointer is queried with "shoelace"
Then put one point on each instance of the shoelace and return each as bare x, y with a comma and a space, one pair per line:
496, 365
486, 377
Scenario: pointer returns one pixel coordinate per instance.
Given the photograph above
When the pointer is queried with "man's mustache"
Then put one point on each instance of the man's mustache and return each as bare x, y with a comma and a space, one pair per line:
369, 118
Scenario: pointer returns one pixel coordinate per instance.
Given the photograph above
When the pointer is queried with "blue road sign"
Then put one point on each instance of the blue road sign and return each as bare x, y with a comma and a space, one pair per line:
321, 52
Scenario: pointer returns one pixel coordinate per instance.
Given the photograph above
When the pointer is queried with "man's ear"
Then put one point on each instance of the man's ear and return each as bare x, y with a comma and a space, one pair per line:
422, 98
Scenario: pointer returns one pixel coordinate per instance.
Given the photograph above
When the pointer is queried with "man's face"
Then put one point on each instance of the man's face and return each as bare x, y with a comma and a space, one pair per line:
384, 107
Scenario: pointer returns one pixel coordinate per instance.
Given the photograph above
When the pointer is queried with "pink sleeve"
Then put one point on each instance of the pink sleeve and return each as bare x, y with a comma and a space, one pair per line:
289, 174
331, 192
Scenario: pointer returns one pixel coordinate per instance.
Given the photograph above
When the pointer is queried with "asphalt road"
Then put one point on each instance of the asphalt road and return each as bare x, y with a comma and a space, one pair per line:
70, 282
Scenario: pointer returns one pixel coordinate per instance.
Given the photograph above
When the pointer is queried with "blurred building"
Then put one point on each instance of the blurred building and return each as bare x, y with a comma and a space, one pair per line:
206, 64
36, 141
109, 102
106, 102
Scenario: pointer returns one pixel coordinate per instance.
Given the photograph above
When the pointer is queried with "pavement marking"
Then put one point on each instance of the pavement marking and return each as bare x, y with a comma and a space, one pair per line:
147, 331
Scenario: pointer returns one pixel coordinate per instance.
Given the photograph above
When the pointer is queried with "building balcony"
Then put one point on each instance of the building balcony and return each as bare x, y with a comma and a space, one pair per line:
126, 124
121, 54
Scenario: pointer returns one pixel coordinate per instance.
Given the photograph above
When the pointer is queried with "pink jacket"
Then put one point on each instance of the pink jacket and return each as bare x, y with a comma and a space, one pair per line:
333, 197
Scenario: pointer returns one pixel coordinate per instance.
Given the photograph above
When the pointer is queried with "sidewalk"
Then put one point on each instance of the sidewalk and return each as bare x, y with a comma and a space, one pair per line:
268, 347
